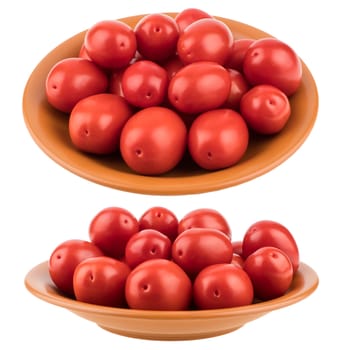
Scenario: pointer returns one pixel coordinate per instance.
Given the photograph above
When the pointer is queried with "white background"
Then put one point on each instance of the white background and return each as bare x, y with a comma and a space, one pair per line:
42, 204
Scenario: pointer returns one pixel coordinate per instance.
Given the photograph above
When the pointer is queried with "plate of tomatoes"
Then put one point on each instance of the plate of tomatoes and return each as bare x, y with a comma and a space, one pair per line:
170, 103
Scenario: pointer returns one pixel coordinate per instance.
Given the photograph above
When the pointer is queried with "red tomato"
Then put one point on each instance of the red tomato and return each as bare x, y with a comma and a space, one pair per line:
196, 248
110, 230
237, 260
204, 218
160, 219
271, 61
270, 233
156, 36
110, 43
270, 271
153, 140
115, 82
101, 281
199, 87
237, 54
218, 139
145, 84
188, 16
65, 258
221, 286
96, 122
145, 245
172, 66
206, 39
71, 79
158, 284
237, 247
266, 109
239, 87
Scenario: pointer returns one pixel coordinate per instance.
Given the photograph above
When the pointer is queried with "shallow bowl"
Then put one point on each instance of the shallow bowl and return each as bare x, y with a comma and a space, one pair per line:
49, 129
169, 325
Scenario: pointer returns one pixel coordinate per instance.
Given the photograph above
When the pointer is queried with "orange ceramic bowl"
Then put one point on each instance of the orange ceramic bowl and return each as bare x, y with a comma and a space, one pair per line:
169, 325
49, 129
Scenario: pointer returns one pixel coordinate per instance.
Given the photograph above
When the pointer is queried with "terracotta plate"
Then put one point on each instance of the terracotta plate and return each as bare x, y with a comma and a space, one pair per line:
169, 325
49, 129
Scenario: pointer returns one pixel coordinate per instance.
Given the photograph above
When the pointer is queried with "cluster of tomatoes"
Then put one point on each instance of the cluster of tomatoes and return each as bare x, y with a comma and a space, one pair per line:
160, 262
172, 86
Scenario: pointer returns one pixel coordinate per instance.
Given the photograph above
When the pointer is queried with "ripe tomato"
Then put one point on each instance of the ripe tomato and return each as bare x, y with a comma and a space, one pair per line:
271, 61
158, 284
222, 285
115, 82
239, 86
145, 245
204, 218
65, 258
270, 233
160, 219
206, 39
237, 247
145, 84
188, 16
96, 122
156, 36
101, 281
172, 66
218, 139
199, 87
153, 140
111, 228
237, 54
196, 248
71, 79
110, 44
266, 109
270, 271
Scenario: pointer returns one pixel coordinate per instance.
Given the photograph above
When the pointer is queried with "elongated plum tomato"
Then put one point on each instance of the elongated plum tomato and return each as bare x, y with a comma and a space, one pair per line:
271, 61
110, 43
65, 258
222, 285
101, 281
96, 122
206, 39
199, 87
153, 140
270, 233
188, 16
218, 139
266, 109
72, 79
237, 54
111, 228
158, 284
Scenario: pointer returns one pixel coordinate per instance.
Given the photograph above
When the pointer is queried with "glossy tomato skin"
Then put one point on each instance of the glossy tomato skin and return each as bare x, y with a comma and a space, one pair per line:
71, 79
271, 61
101, 281
222, 286
237, 54
96, 122
206, 39
153, 140
145, 84
158, 284
65, 258
110, 43
199, 87
161, 219
189, 15
270, 233
270, 271
239, 86
145, 245
218, 139
156, 36
204, 218
111, 228
266, 109
196, 248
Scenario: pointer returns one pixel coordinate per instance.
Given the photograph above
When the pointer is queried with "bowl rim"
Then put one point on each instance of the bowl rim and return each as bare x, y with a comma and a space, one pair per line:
197, 182
38, 282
